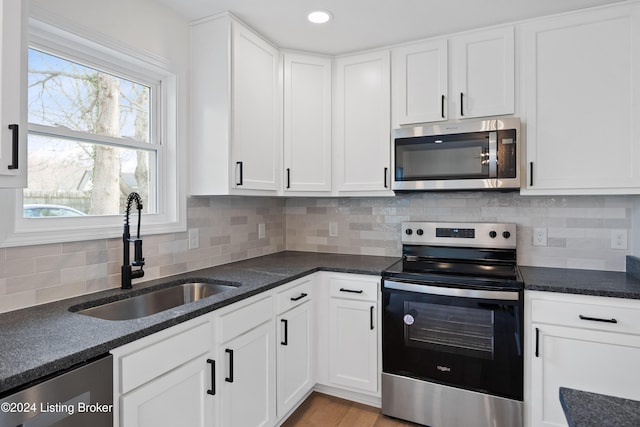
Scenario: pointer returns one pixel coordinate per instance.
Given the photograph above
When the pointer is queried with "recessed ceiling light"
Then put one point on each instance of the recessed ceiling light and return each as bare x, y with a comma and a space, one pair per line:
319, 16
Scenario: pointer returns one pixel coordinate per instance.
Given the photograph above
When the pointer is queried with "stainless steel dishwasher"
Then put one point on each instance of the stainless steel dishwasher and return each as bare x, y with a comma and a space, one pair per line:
79, 397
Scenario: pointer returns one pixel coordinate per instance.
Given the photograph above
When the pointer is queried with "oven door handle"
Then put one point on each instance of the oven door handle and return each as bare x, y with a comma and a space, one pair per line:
452, 292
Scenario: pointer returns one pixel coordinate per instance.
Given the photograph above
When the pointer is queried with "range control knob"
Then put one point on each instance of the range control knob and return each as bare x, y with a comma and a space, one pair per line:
419, 232
409, 231
506, 234
493, 234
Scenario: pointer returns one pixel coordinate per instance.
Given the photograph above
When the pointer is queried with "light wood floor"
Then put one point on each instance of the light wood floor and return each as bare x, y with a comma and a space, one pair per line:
321, 410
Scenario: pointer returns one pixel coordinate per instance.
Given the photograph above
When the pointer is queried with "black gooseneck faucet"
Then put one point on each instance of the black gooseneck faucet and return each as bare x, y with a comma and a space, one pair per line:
138, 260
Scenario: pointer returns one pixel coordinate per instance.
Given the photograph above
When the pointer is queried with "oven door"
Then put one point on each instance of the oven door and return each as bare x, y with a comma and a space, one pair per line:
461, 337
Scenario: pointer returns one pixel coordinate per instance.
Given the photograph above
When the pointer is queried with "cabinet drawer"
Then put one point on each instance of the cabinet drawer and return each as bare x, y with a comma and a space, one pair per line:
587, 315
365, 289
150, 362
243, 319
298, 293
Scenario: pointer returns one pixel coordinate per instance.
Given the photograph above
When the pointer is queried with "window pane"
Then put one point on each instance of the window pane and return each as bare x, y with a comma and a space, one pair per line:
67, 176
64, 93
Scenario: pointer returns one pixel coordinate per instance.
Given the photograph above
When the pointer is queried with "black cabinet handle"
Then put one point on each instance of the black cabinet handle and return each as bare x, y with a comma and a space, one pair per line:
371, 316
530, 174
597, 319
442, 106
241, 178
461, 104
302, 295
386, 185
212, 391
14, 143
537, 342
286, 332
288, 178
351, 291
229, 379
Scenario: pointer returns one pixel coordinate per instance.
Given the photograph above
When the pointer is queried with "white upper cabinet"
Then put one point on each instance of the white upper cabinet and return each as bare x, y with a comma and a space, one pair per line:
257, 113
13, 66
582, 100
483, 73
362, 123
420, 83
467, 76
236, 110
307, 123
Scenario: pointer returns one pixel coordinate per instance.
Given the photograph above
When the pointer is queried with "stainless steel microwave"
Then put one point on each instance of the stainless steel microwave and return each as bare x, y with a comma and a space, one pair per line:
458, 156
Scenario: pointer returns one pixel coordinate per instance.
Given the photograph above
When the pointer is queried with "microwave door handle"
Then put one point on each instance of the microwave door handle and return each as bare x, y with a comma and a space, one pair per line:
493, 154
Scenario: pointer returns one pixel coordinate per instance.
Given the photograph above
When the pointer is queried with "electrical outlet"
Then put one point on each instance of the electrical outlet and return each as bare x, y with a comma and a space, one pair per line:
618, 239
333, 229
539, 237
194, 238
261, 232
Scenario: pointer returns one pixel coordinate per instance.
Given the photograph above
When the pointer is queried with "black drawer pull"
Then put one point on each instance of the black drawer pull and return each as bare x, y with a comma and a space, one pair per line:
239, 164
302, 295
229, 379
371, 316
212, 391
285, 341
537, 342
442, 106
351, 291
530, 174
596, 319
15, 146
461, 104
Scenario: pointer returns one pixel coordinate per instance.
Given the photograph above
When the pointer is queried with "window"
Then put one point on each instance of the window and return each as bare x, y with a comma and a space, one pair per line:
101, 124
90, 142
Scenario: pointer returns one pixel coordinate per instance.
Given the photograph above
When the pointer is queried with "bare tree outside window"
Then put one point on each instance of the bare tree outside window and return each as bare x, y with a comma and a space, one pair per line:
89, 139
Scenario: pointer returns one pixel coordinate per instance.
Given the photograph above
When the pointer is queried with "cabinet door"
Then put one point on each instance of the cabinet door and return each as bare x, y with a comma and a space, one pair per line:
13, 66
362, 120
295, 356
178, 398
420, 83
353, 344
582, 102
248, 389
483, 73
307, 123
599, 362
256, 113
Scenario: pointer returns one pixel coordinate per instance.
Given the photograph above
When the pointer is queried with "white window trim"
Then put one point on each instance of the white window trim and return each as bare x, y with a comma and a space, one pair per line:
171, 216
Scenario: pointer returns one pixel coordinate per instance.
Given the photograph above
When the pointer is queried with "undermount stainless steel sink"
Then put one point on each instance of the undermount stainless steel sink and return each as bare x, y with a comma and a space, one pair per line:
158, 300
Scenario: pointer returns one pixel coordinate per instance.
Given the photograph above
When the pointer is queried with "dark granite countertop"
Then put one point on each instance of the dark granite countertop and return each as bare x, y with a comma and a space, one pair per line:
585, 409
42, 340
585, 282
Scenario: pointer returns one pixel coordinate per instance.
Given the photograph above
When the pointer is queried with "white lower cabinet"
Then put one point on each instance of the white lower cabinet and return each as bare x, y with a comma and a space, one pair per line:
295, 354
163, 379
349, 333
353, 344
175, 399
247, 354
582, 342
253, 362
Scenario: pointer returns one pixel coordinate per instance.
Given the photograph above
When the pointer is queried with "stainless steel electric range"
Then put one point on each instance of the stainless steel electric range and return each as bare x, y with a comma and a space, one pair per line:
452, 329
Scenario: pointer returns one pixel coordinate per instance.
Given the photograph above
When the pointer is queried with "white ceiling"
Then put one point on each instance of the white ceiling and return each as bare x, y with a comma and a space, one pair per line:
364, 24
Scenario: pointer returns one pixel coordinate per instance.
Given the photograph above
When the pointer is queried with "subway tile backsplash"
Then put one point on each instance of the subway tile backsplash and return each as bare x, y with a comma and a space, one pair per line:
578, 227
578, 236
228, 229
